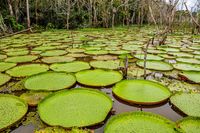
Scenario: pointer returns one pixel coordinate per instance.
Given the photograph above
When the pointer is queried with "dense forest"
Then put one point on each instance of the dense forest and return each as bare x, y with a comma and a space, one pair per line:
70, 14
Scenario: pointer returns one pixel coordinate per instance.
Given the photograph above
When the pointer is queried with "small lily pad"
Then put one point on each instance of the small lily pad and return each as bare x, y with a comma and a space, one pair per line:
33, 98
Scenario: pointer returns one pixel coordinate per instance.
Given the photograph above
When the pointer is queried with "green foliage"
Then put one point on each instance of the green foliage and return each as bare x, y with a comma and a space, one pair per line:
11, 21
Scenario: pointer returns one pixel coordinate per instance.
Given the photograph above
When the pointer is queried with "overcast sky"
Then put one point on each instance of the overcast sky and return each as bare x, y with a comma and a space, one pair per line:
190, 3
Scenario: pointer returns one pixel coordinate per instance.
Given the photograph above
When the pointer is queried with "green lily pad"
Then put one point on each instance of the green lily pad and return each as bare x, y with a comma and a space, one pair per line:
139, 122
109, 64
17, 53
187, 103
12, 110
5, 66
70, 67
33, 98
155, 51
78, 107
124, 56
191, 75
57, 59
141, 92
53, 53
4, 78
186, 67
96, 52
98, 77
49, 81
105, 57
27, 70
181, 54
188, 60
134, 71
2, 56
21, 59
119, 52
190, 124
155, 65
149, 57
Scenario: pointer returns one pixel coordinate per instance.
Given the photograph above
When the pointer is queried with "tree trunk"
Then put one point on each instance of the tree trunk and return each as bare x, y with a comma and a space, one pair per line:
10, 7
3, 27
28, 15
68, 12
36, 13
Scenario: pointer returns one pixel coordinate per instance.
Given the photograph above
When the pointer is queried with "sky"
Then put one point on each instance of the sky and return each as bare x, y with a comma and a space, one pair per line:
190, 3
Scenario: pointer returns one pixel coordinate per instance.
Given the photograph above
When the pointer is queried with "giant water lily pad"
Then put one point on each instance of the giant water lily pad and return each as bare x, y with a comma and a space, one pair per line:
71, 66
53, 53
155, 65
21, 59
187, 67
75, 108
27, 70
140, 122
57, 59
105, 57
96, 52
4, 78
50, 81
188, 60
18, 53
141, 92
2, 56
12, 110
98, 77
191, 75
5, 66
190, 124
109, 64
187, 103
149, 57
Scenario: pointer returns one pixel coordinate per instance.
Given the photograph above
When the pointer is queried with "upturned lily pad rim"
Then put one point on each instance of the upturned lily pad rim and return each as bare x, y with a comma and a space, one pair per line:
43, 90
19, 99
142, 114
142, 103
75, 89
